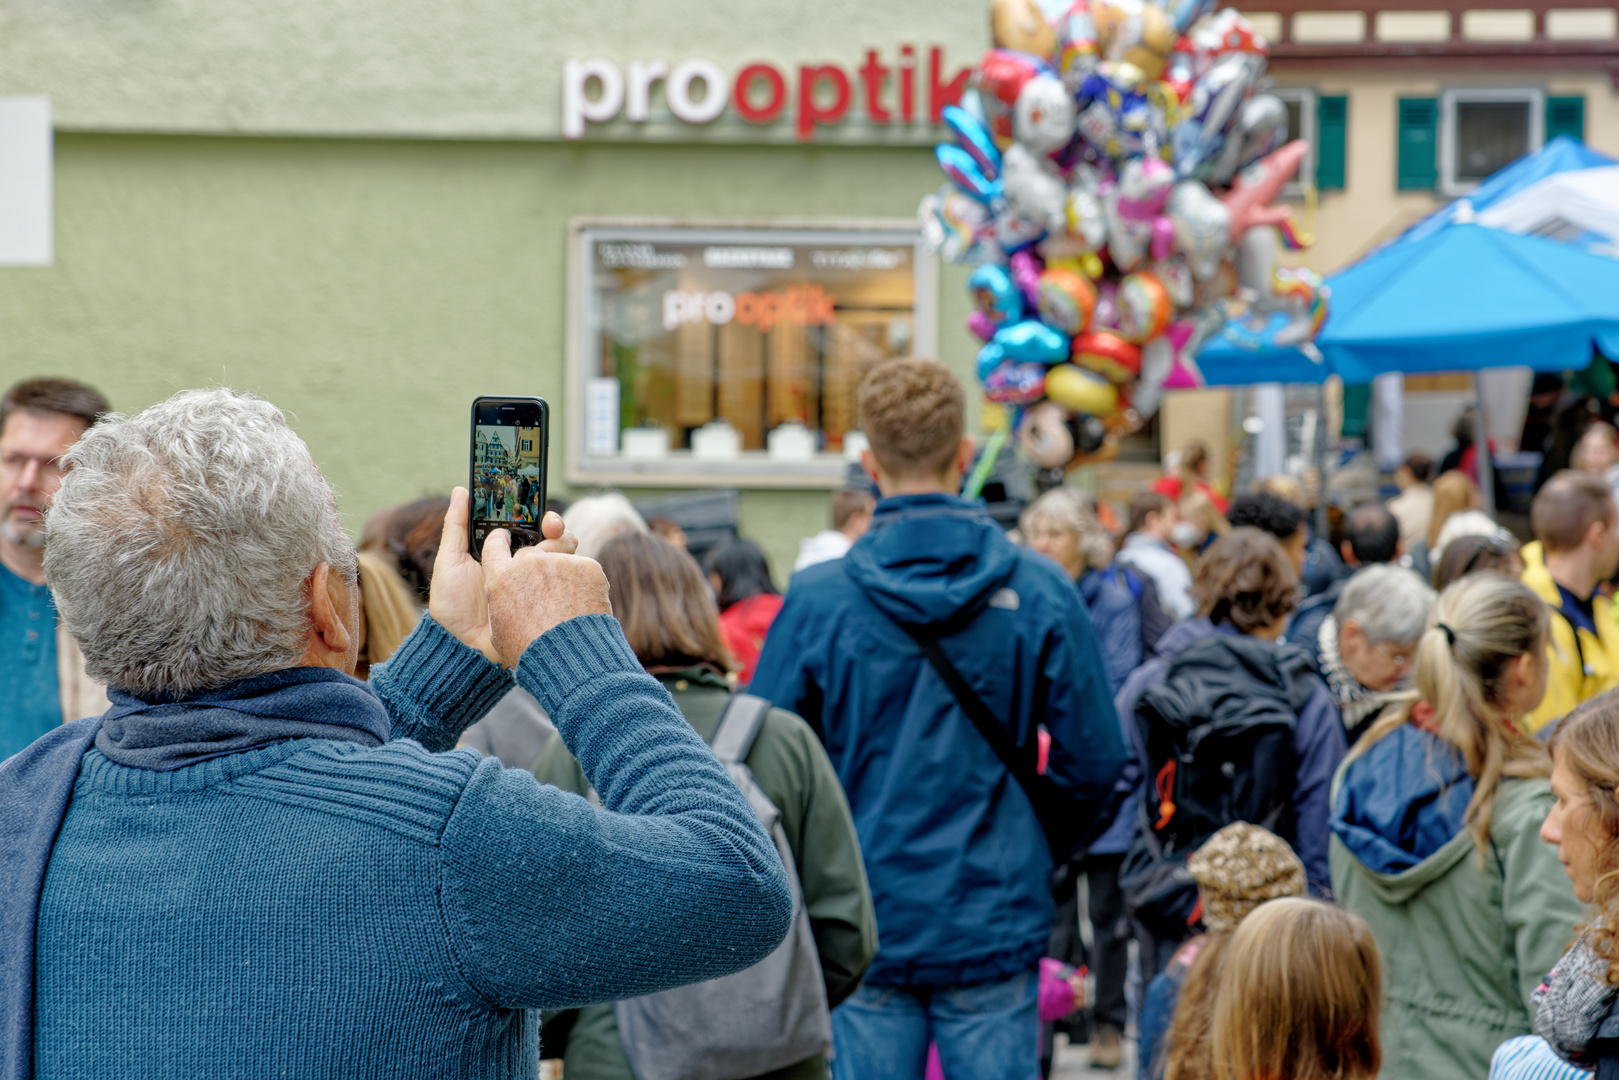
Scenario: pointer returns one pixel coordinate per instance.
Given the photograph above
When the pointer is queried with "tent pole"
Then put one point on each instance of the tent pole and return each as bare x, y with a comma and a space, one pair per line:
1320, 454
1481, 440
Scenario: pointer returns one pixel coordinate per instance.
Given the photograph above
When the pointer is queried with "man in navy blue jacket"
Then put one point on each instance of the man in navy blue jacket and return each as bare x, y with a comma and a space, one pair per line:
956, 858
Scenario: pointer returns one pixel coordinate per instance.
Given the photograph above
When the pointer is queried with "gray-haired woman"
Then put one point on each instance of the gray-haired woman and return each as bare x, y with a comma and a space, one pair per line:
1367, 645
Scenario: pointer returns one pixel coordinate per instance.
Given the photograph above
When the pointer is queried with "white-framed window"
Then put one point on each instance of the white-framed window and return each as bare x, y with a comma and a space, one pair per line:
1301, 117
1481, 131
728, 353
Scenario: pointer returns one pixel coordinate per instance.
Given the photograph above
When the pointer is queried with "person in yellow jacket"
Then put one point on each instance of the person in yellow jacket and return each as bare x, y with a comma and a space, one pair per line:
1576, 548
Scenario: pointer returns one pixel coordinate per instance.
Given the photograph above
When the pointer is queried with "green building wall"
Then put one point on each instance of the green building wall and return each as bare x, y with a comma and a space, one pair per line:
372, 288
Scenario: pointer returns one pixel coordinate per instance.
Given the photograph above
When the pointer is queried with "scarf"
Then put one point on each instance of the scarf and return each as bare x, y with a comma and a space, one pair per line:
37, 784
1355, 702
1573, 1001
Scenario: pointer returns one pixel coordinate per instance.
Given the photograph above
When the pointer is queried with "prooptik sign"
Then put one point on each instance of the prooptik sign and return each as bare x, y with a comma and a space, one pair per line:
697, 91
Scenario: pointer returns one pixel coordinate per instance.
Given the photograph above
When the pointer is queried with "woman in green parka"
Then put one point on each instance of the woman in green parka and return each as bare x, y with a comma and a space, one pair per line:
1436, 816
669, 618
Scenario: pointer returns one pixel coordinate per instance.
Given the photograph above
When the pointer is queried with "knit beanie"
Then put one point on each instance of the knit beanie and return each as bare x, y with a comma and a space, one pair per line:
1239, 868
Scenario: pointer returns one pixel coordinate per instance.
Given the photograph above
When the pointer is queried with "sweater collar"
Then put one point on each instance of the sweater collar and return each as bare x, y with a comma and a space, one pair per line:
294, 703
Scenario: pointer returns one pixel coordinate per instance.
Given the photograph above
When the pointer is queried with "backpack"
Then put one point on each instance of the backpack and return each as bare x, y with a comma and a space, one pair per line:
1218, 732
769, 1016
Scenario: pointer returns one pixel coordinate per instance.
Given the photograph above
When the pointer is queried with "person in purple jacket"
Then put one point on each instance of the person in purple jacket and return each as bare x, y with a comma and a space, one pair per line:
1245, 586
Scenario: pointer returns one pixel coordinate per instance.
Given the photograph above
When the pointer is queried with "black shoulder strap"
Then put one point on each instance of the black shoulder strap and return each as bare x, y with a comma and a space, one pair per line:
1021, 764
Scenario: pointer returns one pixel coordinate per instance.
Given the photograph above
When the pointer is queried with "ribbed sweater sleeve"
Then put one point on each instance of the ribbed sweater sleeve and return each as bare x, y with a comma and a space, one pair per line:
434, 687
552, 903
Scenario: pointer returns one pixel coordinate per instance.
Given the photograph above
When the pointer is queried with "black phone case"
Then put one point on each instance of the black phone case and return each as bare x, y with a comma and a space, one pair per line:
478, 527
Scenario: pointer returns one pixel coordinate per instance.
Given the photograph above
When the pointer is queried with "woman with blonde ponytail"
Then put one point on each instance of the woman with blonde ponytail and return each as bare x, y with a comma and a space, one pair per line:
1435, 820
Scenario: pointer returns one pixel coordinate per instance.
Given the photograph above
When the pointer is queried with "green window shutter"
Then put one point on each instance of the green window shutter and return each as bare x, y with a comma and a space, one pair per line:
1565, 116
1331, 133
1419, 144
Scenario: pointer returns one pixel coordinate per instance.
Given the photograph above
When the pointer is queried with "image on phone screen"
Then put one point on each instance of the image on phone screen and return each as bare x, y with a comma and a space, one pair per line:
509, 437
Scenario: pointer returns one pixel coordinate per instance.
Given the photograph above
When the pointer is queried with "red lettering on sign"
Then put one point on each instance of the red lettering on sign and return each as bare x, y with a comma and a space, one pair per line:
810, 111
907, 84
872, 77
742, 97
942, 94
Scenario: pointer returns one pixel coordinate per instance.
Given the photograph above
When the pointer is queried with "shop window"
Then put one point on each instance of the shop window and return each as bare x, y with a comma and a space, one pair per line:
1481, 131
731, 355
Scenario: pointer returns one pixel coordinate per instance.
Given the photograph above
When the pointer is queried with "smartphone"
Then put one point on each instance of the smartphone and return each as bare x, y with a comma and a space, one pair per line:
510, 436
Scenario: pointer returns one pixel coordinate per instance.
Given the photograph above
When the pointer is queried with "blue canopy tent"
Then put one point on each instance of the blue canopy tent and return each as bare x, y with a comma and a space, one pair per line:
1449, 295
1470, 297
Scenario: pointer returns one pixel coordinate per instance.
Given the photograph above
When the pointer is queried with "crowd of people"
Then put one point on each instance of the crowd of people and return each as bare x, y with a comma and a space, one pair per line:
1280, 801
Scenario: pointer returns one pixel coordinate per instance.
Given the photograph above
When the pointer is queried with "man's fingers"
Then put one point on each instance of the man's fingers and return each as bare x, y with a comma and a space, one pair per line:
497, 551
454, 539
566, 544
551, 526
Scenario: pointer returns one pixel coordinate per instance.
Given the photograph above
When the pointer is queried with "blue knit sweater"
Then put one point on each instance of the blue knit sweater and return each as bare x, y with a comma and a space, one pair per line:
315, 908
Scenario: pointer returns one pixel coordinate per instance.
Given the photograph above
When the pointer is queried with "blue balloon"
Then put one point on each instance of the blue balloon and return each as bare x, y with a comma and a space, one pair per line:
989, 358
1032, 340
974, 138
964, 172
995, 293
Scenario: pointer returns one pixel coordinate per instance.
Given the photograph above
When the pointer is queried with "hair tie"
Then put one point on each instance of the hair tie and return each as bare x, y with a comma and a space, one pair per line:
1450, 635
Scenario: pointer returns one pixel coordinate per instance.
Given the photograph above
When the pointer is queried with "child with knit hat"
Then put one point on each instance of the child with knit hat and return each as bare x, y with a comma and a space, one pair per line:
1237, 869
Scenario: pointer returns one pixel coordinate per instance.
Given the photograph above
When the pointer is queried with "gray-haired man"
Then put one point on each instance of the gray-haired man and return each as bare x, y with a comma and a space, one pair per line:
269, 868
42, 681
1367, 645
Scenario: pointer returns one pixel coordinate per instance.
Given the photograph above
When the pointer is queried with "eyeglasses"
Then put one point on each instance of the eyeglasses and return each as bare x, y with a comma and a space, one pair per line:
13, 464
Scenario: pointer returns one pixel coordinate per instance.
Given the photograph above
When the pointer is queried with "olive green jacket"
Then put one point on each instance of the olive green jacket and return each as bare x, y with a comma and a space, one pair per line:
1464, 946
789, 765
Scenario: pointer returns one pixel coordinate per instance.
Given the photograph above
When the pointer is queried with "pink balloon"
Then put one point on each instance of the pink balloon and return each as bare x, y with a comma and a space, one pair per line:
1163, 237
1025, 270
981, 325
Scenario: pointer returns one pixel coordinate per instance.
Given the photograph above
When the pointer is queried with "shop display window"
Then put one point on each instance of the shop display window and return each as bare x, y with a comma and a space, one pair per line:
729, 354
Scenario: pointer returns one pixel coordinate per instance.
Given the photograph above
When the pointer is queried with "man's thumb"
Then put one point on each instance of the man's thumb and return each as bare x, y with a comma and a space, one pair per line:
497, 551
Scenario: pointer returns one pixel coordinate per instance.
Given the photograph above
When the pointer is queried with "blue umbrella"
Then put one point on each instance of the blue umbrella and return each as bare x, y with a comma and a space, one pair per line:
1467, 298
1445, 296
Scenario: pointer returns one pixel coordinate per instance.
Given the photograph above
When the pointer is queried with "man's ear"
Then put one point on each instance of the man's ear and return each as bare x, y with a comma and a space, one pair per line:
868, 464
326, 610
964, 454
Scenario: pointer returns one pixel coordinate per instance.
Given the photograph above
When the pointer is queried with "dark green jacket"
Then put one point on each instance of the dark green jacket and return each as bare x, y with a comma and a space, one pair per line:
789, 765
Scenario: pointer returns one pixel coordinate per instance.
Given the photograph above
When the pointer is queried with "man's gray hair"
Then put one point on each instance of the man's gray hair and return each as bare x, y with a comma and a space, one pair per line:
181, 541
1388, 603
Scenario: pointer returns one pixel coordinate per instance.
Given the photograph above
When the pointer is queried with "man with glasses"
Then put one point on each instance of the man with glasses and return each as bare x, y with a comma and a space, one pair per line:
42, 680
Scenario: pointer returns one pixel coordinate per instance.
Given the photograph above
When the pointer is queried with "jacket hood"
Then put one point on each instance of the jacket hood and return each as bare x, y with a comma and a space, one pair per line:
1182, 634
1401, 808
931, 559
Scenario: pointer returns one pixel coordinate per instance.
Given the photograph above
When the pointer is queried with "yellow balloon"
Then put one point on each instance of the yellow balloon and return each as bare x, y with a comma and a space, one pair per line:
1079, 390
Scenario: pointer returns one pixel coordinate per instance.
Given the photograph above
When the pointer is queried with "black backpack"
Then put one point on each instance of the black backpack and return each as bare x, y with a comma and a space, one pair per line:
1218, 730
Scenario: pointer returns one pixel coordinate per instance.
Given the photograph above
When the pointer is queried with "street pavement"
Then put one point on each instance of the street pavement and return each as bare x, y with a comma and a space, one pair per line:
1071, 1063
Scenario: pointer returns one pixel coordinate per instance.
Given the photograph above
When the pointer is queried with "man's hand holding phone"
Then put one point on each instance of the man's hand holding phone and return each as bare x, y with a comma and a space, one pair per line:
460, 597
535, 590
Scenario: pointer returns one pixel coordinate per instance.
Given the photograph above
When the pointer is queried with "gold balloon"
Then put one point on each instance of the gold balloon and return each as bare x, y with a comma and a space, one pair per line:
1021, 25
1079, 390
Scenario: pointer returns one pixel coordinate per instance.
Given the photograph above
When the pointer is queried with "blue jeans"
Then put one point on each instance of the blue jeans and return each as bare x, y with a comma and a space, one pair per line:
988, 1031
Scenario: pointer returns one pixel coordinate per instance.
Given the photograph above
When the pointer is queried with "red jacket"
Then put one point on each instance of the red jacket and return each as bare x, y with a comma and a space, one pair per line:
743, 626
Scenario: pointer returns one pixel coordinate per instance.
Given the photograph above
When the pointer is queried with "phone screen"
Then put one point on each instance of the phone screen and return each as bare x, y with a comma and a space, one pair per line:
509, 439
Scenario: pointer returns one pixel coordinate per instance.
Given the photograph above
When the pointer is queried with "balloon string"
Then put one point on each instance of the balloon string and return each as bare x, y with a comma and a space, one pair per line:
1308, 239
986, 462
